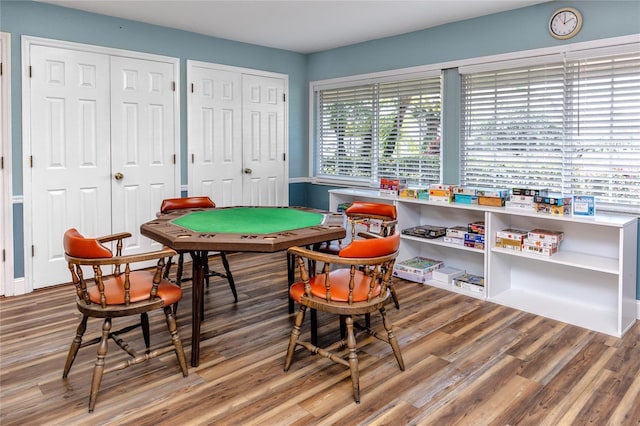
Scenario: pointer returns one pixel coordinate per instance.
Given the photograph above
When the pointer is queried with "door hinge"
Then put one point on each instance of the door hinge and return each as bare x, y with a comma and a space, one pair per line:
2, 163
30, 71
4, 255
174, 159
33, 251
284, 97
31, 161
173, 86
284, 156
192, 88
193, 158
1, 68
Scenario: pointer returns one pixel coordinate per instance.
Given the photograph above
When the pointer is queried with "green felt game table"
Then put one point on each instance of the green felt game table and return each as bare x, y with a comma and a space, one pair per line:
238, 229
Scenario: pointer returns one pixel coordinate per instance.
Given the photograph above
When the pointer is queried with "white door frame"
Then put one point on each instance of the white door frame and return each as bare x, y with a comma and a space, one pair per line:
26, 43
7, 285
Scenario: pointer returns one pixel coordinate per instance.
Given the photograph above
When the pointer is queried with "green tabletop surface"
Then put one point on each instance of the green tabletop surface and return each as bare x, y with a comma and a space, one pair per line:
248, 220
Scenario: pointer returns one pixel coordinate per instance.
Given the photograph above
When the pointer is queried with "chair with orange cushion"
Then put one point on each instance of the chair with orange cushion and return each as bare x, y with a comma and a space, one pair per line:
353, 282
172, 204
366, 219
113, 293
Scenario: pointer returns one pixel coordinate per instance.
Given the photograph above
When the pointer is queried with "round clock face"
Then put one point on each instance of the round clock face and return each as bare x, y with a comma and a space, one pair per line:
565, 23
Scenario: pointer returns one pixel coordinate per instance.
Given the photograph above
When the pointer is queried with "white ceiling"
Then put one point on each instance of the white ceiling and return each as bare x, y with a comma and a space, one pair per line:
303, 26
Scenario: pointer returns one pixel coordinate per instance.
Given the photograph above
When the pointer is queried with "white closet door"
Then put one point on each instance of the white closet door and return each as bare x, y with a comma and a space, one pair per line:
264, 141
215, 135
142, 144
70, 139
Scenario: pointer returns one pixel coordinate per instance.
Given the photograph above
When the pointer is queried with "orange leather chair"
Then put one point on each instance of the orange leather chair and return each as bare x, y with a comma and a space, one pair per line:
353, 282
113, 293
366, 219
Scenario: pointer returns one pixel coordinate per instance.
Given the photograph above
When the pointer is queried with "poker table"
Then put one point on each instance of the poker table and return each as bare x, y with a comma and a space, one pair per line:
238, 229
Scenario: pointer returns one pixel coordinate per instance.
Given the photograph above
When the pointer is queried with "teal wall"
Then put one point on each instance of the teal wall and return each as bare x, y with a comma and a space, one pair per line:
505, 32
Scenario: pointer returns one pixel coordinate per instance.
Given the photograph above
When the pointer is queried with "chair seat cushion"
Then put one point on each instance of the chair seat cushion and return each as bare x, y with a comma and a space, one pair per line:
339, 287
139, 290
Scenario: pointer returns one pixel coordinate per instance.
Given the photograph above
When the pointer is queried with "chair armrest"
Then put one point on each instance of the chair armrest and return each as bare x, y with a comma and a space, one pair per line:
335, 259
122, 260
368, 235
113, 237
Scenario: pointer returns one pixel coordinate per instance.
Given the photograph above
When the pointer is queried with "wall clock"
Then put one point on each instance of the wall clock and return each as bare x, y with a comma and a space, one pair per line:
565, 23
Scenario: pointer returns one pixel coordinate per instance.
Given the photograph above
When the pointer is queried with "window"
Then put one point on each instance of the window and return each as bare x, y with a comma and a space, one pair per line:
387, 129
570, 124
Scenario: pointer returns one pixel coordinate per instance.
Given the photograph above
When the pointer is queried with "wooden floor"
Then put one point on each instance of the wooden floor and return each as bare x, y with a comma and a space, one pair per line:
468, 362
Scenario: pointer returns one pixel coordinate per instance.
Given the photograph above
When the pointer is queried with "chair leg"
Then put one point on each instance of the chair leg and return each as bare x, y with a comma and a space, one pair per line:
392, 338
295, 334
353, 358
75, 346
175, 339
98, 368
144, 323
179, 269
167, 268
227, 271
394, 296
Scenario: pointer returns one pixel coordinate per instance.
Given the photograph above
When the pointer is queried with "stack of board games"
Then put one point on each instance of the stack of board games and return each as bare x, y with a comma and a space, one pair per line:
419, 193
465, 195
446, 274
584, 205
455, 234
441, 192
474, 238
554, 204
417, 269
524, 198
511, 238
542, 241
470, 282
391, 187
426, 231
492, 197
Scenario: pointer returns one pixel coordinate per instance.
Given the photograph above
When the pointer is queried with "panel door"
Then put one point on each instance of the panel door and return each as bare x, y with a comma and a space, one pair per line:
215, 135
142, 145
70, 137
264, 139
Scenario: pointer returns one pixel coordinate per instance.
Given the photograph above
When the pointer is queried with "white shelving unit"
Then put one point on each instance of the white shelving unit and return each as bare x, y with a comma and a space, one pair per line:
590, 282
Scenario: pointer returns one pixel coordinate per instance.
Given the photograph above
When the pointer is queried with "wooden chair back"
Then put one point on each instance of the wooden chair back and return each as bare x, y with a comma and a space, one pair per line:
171, 204
131, 288
376, 218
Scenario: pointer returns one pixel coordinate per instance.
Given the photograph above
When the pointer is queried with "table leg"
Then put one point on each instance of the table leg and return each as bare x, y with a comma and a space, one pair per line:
199, 262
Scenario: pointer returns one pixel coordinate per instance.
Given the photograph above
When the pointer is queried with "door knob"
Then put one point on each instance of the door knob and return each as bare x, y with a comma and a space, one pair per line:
248, 171
118, 176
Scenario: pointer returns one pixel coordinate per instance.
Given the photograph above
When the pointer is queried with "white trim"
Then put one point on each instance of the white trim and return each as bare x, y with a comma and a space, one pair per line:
26, 43
7, 287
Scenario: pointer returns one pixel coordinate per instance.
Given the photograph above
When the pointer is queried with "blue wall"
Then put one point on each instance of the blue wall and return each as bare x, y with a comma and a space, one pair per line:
511, 31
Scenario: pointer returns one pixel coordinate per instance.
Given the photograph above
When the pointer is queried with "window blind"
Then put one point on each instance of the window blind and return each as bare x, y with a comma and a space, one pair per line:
572, 126
388, 129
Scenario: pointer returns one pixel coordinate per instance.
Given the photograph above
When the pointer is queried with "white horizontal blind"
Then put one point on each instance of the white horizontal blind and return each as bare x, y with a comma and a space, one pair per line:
603, 129
512, 126
345, 132
572, 127
387, 129
409, 130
